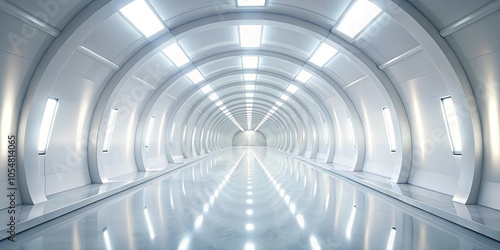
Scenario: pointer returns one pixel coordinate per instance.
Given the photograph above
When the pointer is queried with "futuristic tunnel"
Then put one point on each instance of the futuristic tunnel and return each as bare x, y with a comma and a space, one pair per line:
346, 124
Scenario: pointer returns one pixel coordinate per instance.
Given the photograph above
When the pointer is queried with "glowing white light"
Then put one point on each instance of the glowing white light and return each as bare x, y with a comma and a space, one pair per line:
392, 238
195, 76
142, 17
323, 54
250, 62
249, 193
249, 212
292, 89
250, 35
314, 243
149, 130
109, 130
49, 115
359, 16
300, 220
249, 227
198, 222
390, 129
451, 120
213, 97
107, 241
249, 77
303, 76
251, 3
206, 207
176, 55
351, 131
249, 87
249, 246
284, 97
292, 208
218, 103
249, 201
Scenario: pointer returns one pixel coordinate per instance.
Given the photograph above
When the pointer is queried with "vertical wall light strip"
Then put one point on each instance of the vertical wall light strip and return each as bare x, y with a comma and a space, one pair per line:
184, 133
109, 130
391, 135
107, 241
149, 131
172, 133
451, 121
49, 115
392, 238
351, 132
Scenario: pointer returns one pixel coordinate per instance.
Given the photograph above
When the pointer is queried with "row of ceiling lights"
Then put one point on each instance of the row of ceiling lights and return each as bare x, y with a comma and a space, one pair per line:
141, 15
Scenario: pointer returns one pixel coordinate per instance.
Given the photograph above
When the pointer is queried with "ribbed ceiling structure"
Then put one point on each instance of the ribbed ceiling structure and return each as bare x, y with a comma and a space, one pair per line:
411, 96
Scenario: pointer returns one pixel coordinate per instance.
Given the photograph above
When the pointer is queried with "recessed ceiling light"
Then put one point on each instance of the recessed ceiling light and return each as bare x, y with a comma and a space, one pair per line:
142, 17
175, 54
303, 76
249, 87
249, 95
213, 96
274, 108
250, 35
292, 89
249, 77
249, 100
218, 103
206, 89
250, 62
323, 54
284, 97
250, 3
278, 103
361, 13
195, 76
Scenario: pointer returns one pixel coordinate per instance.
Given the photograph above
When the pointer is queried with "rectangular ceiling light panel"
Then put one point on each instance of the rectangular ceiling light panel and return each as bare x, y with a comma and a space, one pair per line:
361, 13
213, 97
207, 89
303, 76
142, 18
250, 3
176, 55
249, 77
322, 55
250, 62
49, 115
195, 76
284, 97
292, 89
249, 87
250, 35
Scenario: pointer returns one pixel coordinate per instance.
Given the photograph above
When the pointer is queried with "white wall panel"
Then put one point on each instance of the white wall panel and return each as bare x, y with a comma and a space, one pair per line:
112, 38
479, 48
56, 13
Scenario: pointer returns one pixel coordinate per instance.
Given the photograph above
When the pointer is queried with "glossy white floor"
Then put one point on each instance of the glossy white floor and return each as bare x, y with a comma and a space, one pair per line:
249, 198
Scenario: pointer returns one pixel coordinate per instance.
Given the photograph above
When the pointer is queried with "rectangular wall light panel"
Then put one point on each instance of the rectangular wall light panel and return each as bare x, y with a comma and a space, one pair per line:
49, 115
109, 130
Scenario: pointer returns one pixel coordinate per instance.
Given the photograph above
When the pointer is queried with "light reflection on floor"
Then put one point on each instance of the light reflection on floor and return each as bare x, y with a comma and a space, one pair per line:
250, 198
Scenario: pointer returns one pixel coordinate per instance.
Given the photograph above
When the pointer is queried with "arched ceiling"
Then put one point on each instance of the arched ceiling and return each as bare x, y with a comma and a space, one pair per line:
91, 55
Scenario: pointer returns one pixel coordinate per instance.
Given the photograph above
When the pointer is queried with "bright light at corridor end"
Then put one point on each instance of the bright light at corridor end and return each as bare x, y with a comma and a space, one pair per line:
361, 13
142, 17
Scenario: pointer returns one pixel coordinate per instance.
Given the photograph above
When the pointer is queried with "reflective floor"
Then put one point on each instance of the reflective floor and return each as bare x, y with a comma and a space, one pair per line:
249, 198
